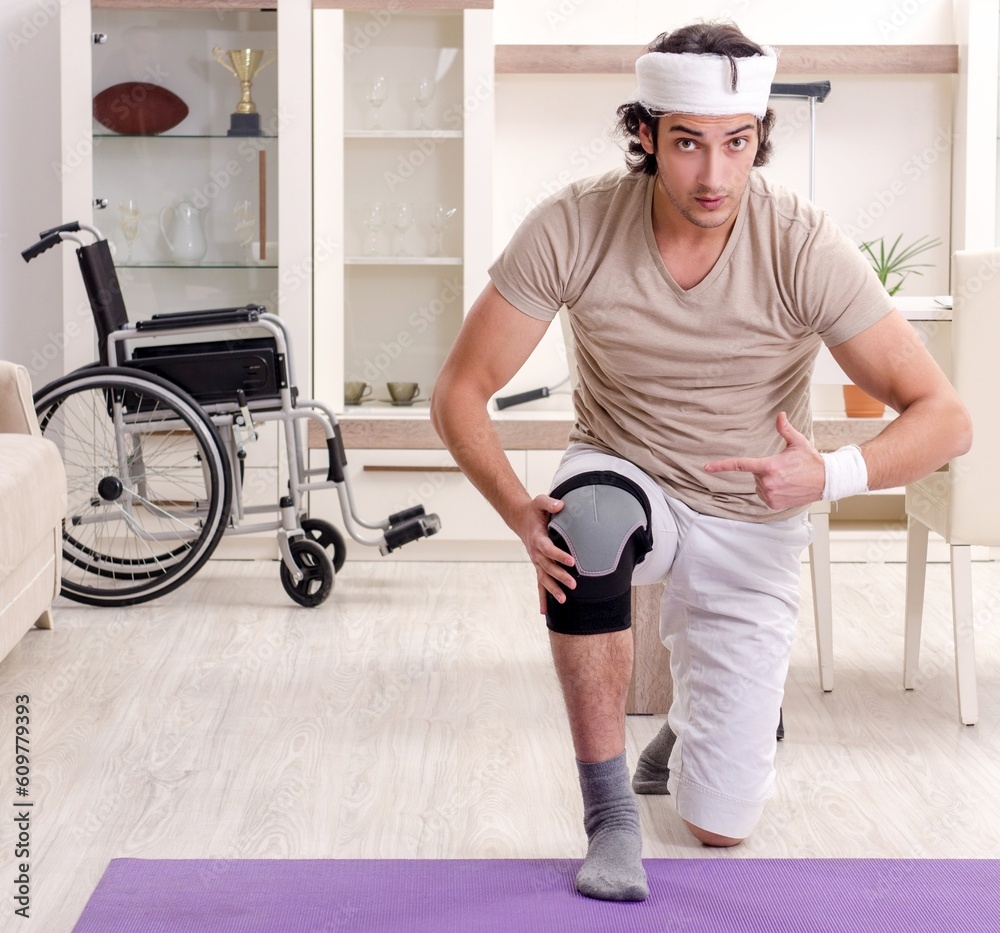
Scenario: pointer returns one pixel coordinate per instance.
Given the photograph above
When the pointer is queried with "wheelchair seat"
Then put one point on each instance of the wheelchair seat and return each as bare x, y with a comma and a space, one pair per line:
214, 371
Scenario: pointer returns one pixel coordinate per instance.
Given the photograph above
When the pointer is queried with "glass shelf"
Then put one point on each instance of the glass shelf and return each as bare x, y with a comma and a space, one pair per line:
178, 136
212, 264
403, 260
403, 134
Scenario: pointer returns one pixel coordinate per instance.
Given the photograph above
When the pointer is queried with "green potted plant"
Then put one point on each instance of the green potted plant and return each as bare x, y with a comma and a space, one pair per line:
892, 265
898, 265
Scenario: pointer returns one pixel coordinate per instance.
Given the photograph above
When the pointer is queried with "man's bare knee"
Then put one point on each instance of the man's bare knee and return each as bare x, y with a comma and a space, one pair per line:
711, 839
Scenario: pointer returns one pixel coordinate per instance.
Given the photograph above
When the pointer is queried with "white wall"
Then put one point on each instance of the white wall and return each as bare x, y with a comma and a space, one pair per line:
772, 21
974, 208
30, 298
883, 144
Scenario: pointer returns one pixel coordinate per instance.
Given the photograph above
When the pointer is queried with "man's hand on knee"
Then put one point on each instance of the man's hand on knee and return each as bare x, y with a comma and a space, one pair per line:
550, 561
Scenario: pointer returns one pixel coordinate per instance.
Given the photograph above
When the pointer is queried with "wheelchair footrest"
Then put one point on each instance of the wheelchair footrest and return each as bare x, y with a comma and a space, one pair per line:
398, 517
410, 529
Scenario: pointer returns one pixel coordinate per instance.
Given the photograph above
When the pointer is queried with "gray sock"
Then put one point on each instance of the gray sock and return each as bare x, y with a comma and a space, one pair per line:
651, 773
613, 869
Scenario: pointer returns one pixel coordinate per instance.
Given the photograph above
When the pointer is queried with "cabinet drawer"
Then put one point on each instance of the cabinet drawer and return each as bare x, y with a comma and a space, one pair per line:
387, 481
269, 449
542, 465
261, 487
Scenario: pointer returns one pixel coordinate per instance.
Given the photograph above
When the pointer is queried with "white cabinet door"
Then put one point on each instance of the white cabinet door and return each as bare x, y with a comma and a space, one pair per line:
186, 206
388, 481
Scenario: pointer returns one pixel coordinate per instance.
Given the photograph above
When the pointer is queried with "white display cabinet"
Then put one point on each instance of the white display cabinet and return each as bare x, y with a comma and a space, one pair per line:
403, 128
249, 197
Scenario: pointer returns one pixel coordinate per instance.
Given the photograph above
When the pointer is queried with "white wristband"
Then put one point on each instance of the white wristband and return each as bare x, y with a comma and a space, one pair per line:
846, 473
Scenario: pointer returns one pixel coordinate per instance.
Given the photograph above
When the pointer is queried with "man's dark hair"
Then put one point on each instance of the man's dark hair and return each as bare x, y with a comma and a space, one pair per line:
702, 39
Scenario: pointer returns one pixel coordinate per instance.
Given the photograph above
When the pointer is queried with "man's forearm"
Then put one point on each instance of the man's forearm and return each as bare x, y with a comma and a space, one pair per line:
464, 424
928, 434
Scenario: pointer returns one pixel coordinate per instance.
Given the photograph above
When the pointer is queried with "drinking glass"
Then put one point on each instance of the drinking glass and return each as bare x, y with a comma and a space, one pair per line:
129, 218
402, 219
423, 96
440, 218
374, 218
376, 95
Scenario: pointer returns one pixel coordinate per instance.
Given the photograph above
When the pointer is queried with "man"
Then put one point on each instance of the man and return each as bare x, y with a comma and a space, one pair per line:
699, 295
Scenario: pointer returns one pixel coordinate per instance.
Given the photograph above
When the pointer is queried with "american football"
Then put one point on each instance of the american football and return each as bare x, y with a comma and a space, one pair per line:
137, 108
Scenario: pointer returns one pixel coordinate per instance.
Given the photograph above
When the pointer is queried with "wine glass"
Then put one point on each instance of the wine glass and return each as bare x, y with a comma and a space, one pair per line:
374, 218
377, 94
244, 226
402, 219
440, 217
129, 218
423, 96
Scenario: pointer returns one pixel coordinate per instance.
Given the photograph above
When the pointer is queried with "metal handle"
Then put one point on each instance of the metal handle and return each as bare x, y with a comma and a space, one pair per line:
100, 204
100, 38
529, 396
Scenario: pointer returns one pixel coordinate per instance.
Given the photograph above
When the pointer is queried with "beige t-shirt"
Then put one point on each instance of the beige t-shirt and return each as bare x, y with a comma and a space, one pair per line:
672, 379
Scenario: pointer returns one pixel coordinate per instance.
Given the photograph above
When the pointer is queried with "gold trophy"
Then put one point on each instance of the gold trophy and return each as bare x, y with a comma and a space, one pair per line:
245, 64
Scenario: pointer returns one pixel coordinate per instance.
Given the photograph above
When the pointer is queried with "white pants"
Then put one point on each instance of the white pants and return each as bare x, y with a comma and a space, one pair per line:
728, 617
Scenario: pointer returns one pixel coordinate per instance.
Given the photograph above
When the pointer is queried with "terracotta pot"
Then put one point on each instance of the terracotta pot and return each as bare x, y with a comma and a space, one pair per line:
860, 404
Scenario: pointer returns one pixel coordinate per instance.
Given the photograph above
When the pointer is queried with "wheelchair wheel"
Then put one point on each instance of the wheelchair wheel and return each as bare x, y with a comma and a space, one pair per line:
148, 483
318, 576
331, 540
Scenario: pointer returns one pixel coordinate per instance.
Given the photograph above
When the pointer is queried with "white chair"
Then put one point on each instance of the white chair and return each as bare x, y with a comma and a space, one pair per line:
961, 502
822, 591
651, 690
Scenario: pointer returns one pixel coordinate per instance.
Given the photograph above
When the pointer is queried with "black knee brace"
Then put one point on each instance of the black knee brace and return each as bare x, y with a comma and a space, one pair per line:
605, 523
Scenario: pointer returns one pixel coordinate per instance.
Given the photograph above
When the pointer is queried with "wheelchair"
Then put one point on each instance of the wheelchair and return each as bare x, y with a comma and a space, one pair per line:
154, 441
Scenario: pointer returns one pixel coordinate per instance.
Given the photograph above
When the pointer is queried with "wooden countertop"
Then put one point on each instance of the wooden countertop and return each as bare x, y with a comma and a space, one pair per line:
525, 433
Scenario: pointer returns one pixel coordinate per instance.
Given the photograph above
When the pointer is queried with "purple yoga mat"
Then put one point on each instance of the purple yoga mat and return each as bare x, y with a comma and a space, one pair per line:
714, 895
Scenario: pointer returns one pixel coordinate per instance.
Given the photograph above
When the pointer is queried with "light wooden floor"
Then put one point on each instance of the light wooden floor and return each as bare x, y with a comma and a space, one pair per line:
416, 715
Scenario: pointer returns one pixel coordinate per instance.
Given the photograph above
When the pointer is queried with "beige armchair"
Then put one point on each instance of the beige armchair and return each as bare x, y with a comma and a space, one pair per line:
961, 502
32, 507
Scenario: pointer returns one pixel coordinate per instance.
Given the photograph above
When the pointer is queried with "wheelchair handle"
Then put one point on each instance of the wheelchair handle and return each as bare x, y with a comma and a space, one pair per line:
72, 227
47, 242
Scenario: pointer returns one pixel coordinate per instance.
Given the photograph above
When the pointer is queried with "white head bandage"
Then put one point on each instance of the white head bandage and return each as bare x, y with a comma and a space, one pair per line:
689, 82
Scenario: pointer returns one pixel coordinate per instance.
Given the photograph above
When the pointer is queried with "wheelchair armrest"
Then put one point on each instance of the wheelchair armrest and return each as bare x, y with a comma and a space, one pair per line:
248, 314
